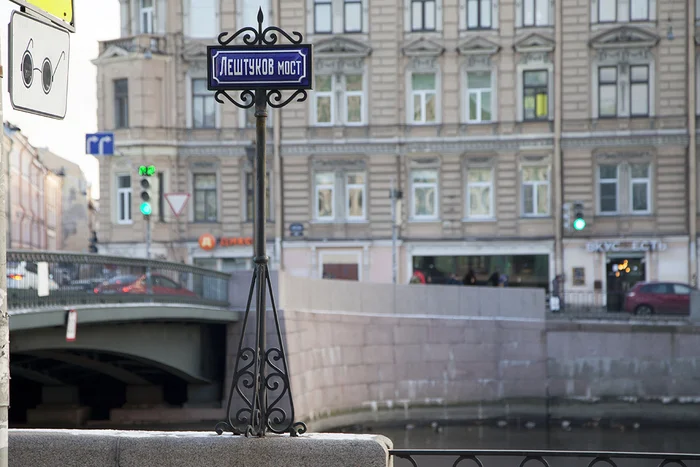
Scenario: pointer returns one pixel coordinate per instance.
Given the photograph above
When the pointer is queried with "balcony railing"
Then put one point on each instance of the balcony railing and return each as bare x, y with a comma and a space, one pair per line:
45, 279
513, 458
140, 43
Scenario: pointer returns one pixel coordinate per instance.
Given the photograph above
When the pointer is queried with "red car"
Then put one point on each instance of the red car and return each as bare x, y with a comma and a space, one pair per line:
663, 298
161, 285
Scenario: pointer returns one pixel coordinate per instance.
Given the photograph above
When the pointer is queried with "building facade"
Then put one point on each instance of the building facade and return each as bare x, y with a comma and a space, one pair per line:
34, 201
490, 117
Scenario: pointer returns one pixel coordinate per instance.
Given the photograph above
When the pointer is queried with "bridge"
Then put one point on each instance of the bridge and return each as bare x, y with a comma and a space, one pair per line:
149, 334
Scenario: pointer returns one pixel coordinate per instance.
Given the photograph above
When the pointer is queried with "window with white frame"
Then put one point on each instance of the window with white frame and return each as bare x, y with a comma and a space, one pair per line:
535, 13
323, 16
697, 9
146, 16
607, 188
424, 194
535, 190
607, 91
324, 188
609, 11
355, 196
535, 94
479, 192
479, 14
350, 108
124, 199
340, 195
337, 16
250, 197
423, 98
617, 179
639, 90
423, 15
352, 16
479, 96
205, 197
203, 19
624, 90
203, 105
640, 189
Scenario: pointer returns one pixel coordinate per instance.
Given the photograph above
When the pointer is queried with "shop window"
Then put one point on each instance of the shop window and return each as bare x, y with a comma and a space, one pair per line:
424, 191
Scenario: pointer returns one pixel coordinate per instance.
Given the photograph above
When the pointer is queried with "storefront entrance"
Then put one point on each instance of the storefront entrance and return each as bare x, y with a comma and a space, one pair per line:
623, 272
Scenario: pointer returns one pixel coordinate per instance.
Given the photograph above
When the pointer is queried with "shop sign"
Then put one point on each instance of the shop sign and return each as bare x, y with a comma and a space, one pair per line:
624, 246
209, 242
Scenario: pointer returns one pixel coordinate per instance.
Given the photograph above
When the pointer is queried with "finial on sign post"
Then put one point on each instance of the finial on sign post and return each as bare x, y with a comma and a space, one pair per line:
261, 374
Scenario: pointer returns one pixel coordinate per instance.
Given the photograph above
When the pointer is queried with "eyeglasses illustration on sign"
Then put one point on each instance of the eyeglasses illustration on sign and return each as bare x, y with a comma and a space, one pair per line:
47, 73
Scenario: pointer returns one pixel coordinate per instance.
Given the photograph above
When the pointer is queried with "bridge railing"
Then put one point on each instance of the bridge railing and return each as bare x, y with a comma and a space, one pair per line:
510, 458
76, 279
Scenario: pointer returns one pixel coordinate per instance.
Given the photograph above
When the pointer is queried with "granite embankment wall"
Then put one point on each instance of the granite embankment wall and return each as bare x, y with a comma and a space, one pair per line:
357, 346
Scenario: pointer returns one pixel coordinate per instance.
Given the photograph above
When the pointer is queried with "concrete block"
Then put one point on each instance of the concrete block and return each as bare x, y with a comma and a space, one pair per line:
73, 448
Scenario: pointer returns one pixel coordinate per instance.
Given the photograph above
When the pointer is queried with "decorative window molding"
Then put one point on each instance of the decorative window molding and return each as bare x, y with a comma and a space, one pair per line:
478, 46
636, 72
423, 48
486, 11
345, 16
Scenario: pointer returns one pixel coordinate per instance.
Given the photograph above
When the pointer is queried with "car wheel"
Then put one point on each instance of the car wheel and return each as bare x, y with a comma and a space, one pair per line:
644, 310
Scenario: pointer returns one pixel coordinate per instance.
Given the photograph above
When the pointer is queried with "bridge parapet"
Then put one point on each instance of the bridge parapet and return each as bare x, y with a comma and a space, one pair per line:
38, 279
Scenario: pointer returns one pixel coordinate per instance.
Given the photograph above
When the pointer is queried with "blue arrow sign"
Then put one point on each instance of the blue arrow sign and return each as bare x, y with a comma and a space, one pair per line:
233, 68
99, 144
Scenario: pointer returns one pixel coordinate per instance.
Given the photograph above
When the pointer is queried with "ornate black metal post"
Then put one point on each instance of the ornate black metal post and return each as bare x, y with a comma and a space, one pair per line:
261, 374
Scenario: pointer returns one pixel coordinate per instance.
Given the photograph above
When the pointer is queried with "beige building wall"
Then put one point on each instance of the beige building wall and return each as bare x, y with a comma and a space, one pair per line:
468, 173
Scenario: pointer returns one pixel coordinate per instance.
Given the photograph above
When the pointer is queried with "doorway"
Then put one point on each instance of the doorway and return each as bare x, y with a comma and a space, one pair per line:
623, 272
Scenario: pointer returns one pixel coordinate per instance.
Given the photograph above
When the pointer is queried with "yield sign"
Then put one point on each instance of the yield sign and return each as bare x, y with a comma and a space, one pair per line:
177, 202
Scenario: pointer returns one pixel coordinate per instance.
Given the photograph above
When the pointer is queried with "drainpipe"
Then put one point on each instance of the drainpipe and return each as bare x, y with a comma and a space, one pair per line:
557, 160
692, 161
277, 164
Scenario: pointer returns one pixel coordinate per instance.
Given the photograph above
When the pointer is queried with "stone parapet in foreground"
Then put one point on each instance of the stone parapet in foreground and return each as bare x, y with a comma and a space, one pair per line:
106, 448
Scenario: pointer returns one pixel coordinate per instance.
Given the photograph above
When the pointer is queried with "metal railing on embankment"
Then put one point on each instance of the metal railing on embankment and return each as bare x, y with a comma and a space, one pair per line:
39, 279
515, 458
607, 304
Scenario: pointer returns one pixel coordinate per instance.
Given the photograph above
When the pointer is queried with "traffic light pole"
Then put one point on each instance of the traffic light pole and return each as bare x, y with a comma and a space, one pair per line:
149, 286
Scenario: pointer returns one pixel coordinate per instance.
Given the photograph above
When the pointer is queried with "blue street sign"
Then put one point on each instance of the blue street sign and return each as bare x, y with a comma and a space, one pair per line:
99, 144
233, 68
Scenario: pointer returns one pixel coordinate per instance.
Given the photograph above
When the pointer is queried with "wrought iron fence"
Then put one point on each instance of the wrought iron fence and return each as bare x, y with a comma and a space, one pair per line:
615, 304
40, 278
514, 458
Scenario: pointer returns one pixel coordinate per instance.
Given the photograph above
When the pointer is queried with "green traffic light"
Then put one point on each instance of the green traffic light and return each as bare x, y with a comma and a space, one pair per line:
147, 170
146, 209
579, 224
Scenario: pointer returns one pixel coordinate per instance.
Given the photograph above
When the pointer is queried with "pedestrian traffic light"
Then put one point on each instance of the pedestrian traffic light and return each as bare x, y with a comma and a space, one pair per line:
579, 222
566, 216
146, 172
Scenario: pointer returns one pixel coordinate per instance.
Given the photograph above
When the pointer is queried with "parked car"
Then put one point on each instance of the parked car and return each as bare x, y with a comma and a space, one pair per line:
664, 298
133, 284
24, 275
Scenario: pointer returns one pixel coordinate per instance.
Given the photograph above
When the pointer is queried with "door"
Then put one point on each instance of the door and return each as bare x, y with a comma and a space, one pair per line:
622, 274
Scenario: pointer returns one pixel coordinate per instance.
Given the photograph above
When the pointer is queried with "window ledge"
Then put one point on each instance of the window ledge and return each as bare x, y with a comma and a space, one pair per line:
205, 222
425, 221
477, 220
536, 216
632, 215
124, 223
613, 24
338, 221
